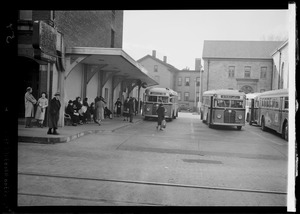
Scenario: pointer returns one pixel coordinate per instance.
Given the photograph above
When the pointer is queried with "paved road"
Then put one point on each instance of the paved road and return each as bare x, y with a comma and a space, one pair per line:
188, 164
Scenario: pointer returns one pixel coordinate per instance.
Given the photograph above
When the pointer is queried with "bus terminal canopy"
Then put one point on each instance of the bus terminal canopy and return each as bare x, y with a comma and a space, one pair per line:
112, 60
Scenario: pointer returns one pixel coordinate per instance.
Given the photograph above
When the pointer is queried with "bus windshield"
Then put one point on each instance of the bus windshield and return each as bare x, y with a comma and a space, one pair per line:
229, 103
157, 99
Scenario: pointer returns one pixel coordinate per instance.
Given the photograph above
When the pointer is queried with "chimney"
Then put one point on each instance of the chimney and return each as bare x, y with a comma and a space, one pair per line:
198, 64
165, 59
154, 53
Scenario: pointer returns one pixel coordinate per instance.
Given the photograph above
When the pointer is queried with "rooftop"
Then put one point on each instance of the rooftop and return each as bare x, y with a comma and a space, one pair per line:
239, 49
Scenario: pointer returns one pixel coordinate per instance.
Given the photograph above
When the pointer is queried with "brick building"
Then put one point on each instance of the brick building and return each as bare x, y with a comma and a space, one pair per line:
87, 61
242, 65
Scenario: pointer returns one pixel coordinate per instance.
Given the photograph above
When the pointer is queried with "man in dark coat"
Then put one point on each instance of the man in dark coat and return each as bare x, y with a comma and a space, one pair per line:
54, 113
131, 105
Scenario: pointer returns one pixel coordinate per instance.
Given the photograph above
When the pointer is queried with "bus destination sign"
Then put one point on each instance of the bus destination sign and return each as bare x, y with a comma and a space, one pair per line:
230, 97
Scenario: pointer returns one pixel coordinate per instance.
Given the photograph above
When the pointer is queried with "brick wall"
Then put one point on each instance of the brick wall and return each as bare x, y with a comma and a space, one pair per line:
90, 28
219, 79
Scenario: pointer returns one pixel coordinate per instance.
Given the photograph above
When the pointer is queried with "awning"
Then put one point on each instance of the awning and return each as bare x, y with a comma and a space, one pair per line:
114, 60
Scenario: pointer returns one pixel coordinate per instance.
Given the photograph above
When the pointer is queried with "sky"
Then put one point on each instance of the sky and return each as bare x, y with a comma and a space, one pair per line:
179, 34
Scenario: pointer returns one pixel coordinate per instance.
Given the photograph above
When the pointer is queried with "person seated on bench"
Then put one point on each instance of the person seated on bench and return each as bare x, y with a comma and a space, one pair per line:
107, 113
71, 110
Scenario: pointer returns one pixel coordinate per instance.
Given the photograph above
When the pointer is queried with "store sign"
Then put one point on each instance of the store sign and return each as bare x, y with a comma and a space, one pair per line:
44, 41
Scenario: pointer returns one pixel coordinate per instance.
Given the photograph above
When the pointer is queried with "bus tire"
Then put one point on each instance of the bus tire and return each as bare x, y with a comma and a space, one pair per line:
250, 123
263, 127
210, 125
239, 128
146, 118
285, 131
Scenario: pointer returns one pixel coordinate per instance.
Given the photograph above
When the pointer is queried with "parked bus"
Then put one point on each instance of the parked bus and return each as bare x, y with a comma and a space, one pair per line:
154, 96
223, 107
274, 111
252, 108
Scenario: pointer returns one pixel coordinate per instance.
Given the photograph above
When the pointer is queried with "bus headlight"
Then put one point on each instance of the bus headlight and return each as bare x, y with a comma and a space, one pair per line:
240, 117
148, 109
219, 116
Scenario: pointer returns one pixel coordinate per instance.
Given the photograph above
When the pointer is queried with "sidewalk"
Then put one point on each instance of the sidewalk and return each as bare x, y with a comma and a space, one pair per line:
68, 133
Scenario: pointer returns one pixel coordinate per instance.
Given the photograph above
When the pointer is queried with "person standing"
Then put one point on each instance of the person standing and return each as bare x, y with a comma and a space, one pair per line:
161, 116
100, 105
41, 108
54, 113
126, 109
118, 105
30, 101
141, 106
131, 105
136, 106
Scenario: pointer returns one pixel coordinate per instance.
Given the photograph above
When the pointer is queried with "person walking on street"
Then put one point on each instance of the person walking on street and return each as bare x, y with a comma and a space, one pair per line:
118, 106
141, 106
30, 101
41, 108
126, 109
131, 105
161, 116
54, 108
100, 105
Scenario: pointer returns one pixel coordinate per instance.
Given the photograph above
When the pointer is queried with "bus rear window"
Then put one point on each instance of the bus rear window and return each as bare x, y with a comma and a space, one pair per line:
152, 98
159, 99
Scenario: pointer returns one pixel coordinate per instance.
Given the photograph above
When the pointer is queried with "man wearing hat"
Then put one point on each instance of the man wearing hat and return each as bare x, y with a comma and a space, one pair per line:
54, 114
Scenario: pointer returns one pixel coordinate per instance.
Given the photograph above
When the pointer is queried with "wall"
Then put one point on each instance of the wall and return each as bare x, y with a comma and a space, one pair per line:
165, 76
218, 74
90, 28
92, 88
73, 83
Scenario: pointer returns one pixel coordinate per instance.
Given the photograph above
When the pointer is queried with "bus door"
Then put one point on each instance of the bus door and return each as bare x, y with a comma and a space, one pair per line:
210, 109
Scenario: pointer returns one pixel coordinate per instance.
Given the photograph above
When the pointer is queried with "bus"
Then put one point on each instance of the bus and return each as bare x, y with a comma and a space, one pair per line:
154, 96
252, 108
274, 111
224, 107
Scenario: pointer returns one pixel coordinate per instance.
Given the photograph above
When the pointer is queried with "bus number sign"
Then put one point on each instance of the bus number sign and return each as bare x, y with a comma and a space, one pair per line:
230, 96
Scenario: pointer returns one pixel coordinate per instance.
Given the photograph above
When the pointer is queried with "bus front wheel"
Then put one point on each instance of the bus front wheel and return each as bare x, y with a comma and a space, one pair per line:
285, 131
239, 127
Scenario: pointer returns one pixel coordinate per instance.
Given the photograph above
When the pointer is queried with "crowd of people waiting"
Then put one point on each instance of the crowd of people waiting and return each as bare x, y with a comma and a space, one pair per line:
81, 112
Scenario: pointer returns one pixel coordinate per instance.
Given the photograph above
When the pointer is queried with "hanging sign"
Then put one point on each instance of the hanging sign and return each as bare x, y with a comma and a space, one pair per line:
44, 41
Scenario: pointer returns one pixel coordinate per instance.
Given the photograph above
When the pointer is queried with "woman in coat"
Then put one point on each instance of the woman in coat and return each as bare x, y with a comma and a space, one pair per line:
29, 107
100, 105
41, 108
54, 113
118, 105
161, 116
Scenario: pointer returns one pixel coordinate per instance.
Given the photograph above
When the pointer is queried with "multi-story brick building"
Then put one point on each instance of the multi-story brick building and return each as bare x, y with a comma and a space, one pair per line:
78, 53
187, 86
242, 65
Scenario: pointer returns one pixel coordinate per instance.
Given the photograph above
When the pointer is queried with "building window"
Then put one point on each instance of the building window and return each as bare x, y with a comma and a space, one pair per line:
247, 71
198, 81
25, 14
187, 81
155, 68
112, 39
197, 97
179, 96
156, 78
263, 72
186, 96
231, 71
179, 81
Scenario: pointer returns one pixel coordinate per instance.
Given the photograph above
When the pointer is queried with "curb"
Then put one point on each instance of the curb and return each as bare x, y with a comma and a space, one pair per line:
66, 139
